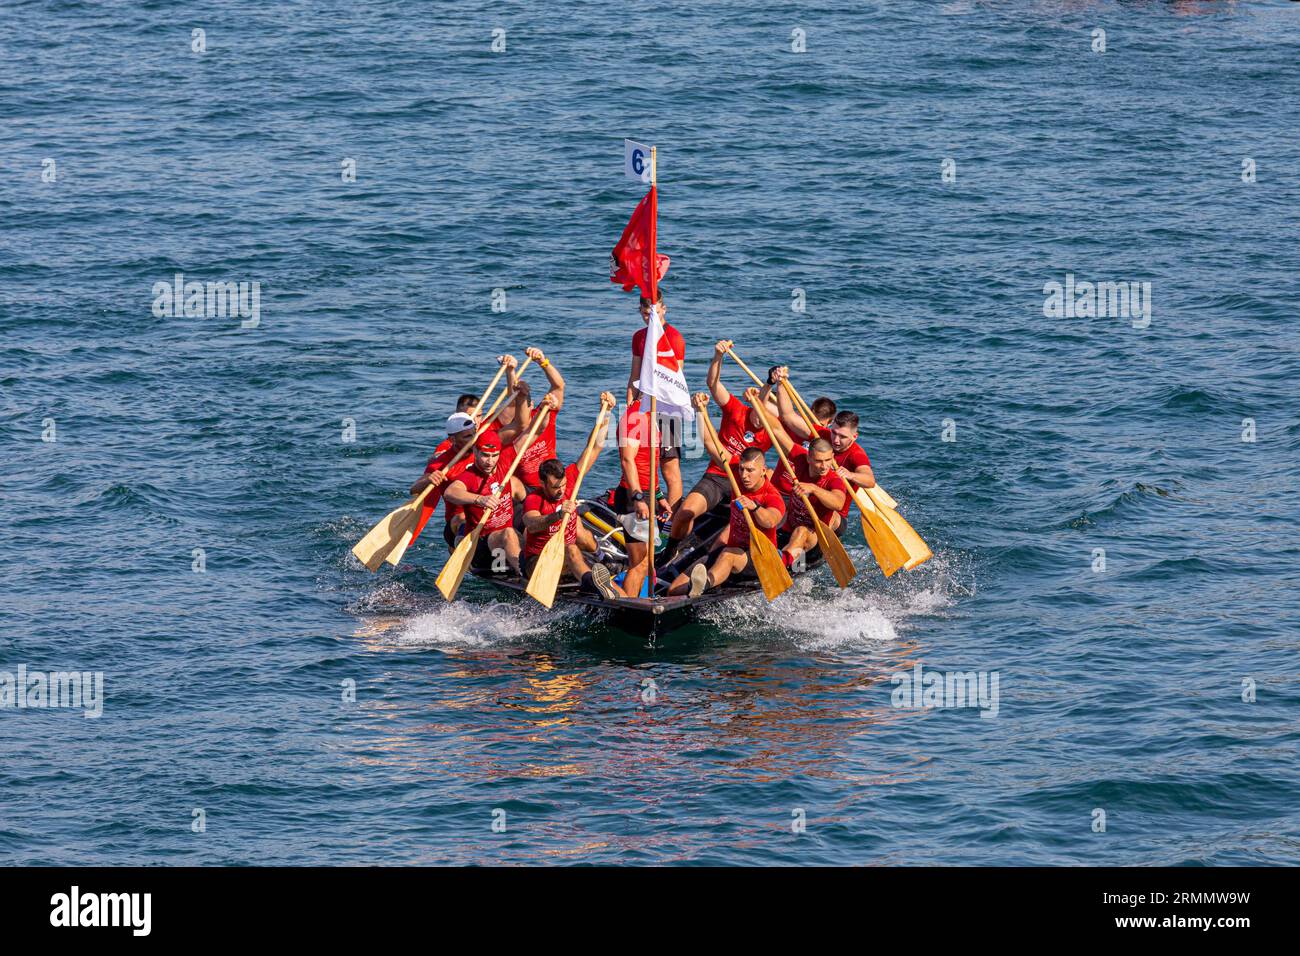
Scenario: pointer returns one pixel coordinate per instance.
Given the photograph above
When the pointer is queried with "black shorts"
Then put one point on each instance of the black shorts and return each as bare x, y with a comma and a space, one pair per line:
670, 433
622, 503
745, 575
714, 488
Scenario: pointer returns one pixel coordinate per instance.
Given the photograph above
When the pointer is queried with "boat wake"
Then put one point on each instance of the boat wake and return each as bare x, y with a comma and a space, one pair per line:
817, 616
467, 624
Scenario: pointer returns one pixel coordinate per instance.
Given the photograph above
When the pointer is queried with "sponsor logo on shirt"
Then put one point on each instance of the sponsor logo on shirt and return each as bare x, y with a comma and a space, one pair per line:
749, 437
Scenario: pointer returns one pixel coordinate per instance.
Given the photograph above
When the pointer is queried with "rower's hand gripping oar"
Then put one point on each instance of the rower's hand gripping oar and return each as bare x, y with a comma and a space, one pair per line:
832, 547
771, 570
550, 563
878, 501
454, 571
414, 528
394, 530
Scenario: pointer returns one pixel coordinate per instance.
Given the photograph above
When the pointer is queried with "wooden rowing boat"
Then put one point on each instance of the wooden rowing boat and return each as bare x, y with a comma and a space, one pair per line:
643, 616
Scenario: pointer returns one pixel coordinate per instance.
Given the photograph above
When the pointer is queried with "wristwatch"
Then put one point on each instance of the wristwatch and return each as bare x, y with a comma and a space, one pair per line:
639, 496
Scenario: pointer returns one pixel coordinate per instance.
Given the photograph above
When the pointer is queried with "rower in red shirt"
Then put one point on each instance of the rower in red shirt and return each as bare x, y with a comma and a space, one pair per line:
841, 431
741, 428
545, 508
469, 405
461, 427
731, 553
482, 489
816, 475
544, 447
672, 355
636, 436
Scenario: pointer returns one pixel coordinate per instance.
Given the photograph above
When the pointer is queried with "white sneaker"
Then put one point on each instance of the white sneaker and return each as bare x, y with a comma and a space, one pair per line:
699, 580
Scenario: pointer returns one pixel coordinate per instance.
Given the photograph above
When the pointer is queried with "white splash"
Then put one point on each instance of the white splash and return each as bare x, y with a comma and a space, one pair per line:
466, 624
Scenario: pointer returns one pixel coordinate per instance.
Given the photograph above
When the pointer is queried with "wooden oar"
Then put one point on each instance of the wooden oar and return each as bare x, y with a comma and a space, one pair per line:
488, 391
918, 552
886, 547
394, 532
550, 563
771, 571
893, 541
736, 358
454, 571
832, 547
414, 527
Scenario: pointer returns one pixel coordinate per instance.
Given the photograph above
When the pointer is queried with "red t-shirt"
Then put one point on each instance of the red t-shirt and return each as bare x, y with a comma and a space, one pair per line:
476, 484
535, 541
851, 458
635, 425
441, 455
445, 445
672, 347
765, 497
737, 434
542, 448
831, 481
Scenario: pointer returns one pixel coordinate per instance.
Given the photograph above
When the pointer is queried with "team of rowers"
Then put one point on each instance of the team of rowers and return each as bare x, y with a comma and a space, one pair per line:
828, 462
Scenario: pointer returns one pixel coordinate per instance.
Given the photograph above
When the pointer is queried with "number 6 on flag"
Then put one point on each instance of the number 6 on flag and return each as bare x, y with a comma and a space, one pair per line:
636, 161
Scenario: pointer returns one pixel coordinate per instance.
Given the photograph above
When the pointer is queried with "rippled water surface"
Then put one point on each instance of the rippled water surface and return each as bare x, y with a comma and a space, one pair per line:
1120, 690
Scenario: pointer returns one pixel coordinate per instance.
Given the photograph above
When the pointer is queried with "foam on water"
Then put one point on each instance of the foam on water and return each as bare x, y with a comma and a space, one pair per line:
467, 624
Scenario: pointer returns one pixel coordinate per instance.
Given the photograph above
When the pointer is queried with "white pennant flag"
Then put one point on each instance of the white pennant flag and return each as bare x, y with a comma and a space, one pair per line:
663, 382
636, 161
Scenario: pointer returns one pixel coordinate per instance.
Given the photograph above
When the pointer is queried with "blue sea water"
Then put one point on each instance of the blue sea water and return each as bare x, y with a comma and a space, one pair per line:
1120, 690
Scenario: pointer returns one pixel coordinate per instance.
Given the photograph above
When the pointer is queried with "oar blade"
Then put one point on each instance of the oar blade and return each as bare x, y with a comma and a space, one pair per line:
885, 546
405, 535
453, 571
882, 497
547, 571
917, 550
833, 552
772, 574
379, 540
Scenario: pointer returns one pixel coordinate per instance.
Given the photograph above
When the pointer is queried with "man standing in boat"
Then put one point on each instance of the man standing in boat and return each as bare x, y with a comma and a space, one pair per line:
671, 355
757, 496
741, 428
482, 489
637, 435
545, 508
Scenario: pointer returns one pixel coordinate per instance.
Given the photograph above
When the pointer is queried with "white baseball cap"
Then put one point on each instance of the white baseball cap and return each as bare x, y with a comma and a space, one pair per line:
458, 423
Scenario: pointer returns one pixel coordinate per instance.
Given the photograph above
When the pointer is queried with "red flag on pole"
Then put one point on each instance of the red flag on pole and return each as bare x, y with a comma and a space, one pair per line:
629, 263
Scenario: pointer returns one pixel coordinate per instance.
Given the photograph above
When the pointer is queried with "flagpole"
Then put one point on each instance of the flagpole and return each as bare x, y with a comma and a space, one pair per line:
652, 532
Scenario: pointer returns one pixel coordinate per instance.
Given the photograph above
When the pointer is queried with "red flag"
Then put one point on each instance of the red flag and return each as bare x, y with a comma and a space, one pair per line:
629, 263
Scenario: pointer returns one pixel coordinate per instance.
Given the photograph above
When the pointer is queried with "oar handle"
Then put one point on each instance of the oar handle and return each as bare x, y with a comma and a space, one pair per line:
502, 397
736, 358
800, 405
530, 435
767, 424
488, 391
